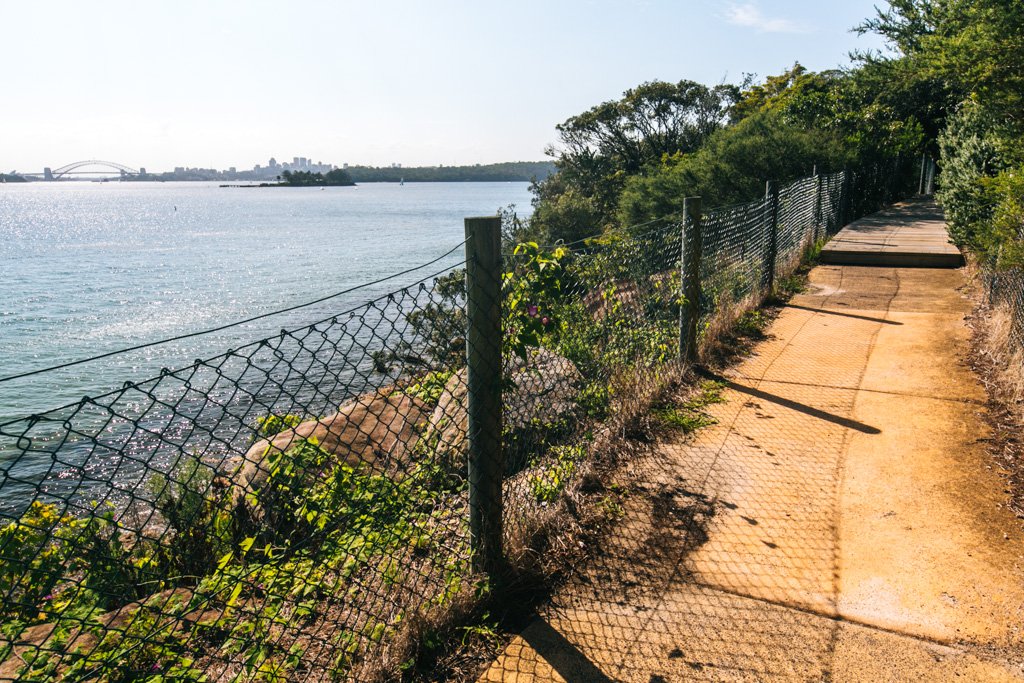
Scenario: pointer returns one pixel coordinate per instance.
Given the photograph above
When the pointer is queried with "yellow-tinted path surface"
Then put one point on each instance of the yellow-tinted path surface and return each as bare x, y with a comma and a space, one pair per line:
840, 522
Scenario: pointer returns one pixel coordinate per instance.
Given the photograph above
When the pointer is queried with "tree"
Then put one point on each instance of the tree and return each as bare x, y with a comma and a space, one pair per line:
602, 147
974, 48
338, 176
732, 167
973, 45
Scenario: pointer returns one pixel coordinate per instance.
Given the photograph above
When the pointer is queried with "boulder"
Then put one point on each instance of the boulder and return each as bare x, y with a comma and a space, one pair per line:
541, 396
628, 298
378, 429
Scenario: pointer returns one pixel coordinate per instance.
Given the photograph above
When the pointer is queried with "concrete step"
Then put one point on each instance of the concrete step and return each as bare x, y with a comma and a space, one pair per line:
908, 235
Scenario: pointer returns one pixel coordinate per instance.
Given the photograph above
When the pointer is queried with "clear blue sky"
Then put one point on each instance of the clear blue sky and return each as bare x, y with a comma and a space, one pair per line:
218, 84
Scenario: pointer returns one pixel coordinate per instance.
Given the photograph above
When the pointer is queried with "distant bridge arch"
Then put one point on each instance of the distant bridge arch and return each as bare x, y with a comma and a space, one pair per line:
110, 165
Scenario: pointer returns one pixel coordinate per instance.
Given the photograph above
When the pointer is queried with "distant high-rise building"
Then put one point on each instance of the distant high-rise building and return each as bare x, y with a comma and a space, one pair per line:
272, 163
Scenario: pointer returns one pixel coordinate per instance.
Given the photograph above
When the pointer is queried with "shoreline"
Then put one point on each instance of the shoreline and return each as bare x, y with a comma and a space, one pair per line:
287, 185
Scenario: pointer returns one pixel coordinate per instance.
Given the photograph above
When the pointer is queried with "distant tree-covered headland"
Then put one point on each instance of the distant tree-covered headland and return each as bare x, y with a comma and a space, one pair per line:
512, 171
337, 177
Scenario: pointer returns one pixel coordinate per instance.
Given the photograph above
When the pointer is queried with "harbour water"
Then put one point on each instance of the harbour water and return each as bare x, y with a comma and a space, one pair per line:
88, 268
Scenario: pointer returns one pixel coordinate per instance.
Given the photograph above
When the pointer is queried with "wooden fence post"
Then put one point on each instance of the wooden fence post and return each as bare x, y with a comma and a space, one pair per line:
689, 314
771, 193
483, 356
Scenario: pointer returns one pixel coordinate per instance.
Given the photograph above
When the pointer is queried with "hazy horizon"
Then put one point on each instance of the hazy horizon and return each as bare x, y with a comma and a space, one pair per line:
224, 84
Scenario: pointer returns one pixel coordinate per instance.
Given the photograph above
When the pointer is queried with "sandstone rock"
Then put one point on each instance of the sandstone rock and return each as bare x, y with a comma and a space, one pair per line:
378, 429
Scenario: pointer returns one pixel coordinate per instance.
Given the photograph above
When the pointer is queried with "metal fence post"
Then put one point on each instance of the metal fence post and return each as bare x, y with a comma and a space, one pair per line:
844, 197
483, 354
689, 314
771, 193
924, 162
817, 205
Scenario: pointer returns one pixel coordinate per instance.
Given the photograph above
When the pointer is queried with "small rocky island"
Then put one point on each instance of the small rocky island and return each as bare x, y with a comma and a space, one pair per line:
336, 178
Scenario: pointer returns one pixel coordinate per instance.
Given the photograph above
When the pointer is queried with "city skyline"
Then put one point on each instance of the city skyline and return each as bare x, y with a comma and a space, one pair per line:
271, 169
450, 83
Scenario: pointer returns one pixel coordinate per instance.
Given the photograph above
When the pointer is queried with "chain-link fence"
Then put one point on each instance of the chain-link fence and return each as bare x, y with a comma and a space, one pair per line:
306, 507
1006, 289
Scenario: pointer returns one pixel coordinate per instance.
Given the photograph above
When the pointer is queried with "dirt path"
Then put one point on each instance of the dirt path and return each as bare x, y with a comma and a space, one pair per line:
840, 522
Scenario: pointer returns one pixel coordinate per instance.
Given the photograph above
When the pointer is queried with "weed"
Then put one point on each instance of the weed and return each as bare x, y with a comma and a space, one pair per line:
551, 480
690, 415
752, 323
610, 507
429, 387
786, 287
272, 425
686, 420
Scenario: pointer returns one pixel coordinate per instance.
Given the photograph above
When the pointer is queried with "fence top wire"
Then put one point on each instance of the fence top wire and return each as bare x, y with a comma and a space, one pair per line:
237, 323
243, 347
652, 225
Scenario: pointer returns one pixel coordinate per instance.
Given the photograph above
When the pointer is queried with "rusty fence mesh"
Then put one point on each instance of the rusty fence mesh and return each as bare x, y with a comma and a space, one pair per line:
299, 508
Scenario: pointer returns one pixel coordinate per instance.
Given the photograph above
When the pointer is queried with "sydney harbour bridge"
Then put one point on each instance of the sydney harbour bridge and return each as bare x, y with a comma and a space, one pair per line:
89, 167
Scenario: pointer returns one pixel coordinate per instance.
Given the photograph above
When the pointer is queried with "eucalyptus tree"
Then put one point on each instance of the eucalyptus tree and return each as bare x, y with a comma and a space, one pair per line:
599, 149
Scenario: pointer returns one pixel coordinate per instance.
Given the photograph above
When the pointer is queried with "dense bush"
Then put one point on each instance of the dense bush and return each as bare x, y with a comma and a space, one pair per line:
974, 150
972, 48
731, 167
327, 522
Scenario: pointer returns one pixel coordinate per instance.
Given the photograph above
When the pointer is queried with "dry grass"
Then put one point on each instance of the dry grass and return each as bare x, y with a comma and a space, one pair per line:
1008, 361
1000, 366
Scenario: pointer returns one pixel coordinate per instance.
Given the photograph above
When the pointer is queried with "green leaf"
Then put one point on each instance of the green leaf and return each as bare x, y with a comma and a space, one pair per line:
234, 595
223, 561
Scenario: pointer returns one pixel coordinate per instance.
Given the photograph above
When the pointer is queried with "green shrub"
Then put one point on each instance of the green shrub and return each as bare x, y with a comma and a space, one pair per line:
731, 167
271, 425
201, 527
430, 386
1004, 240
552, 478
37, 552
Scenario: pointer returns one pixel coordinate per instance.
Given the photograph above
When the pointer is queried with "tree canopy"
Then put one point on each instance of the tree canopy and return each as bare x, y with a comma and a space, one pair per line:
335, 177
600, 148
974, 50
950, 85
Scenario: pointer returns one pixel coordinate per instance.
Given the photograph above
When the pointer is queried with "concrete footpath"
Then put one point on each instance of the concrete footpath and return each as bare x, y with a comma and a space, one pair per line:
840, 522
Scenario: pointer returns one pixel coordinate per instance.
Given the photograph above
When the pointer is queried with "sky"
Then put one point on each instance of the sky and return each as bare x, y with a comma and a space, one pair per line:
210, 83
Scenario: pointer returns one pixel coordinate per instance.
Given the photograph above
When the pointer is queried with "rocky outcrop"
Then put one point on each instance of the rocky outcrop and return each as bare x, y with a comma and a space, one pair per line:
378, 429
627, 298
